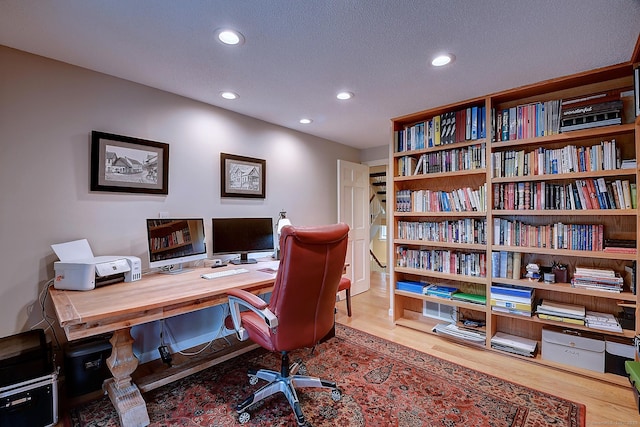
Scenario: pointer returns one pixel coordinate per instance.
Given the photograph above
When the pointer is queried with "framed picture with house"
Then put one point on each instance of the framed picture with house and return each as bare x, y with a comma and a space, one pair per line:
242, 176
129, 165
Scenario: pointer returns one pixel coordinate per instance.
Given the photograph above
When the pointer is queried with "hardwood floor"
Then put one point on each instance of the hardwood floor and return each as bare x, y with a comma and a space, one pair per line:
607, 404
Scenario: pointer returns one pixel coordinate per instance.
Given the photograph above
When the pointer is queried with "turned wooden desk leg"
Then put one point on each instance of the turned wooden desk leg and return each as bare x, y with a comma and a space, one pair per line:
124, 394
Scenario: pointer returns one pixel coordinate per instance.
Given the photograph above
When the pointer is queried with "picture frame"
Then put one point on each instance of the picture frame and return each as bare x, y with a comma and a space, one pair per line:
242, 176
128, 165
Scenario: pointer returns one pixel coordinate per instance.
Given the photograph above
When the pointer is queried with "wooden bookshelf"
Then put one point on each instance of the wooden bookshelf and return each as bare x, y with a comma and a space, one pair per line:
619, 223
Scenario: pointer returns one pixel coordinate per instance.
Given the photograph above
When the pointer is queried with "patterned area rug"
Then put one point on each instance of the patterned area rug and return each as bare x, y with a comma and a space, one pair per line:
383, 384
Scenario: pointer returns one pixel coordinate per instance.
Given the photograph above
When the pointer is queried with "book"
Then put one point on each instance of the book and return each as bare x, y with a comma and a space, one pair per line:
514, 342
511, 304
467, 297
510, 290
559, 318
563, 309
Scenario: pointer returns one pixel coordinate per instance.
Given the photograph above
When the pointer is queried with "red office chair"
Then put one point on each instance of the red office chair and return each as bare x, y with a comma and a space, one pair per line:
300, 312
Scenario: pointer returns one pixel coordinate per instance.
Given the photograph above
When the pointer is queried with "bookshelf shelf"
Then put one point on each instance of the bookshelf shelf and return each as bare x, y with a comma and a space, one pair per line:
602, 226
451, 245
567, 288
568, 176
561, 253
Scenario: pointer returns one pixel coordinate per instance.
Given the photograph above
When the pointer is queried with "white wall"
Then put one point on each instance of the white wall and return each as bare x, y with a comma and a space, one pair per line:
47, 111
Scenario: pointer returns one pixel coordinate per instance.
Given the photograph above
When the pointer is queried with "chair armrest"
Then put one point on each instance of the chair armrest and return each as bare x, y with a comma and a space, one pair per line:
239, 298
248, 297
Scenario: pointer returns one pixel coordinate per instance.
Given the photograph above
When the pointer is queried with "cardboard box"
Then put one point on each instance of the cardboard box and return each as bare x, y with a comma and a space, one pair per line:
577, 348
31, 403
617, 351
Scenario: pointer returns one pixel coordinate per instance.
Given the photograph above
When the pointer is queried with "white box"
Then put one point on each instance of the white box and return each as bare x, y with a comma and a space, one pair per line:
577, 348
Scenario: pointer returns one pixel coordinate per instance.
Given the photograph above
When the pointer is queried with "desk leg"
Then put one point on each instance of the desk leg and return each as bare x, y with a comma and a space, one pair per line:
124, 394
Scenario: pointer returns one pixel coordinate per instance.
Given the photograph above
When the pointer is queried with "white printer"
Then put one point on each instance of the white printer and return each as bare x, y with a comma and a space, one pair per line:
79, 270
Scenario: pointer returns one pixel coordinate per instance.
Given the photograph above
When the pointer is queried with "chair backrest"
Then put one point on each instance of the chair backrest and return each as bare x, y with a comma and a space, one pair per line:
304, 294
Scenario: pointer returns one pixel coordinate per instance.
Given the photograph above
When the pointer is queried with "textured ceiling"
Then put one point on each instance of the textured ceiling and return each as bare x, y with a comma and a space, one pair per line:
299, 53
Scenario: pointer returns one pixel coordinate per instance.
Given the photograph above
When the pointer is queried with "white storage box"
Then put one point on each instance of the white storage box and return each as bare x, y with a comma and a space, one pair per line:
577, 348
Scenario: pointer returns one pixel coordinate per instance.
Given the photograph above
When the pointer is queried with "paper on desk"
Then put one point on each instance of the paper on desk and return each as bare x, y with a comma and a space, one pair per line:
78, 249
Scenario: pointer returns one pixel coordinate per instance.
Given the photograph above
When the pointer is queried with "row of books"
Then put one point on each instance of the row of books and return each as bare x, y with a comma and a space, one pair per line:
440, 291
577, 237
582, 194
463, 230
176, 238
538, 119
457, 159
459, 200
467, 124
506, 265
443, 261
549, 161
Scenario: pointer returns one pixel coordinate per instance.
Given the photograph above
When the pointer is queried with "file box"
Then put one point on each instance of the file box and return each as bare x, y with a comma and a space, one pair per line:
617, 351
577, 348
31, 403
85, 367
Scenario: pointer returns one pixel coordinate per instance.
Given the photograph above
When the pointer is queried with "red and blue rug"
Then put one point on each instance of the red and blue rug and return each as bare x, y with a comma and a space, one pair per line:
383, 384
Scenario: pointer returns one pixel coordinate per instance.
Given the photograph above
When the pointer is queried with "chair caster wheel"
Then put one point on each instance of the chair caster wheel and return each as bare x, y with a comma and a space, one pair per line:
303, 370
244, 417
253, 379
336, 394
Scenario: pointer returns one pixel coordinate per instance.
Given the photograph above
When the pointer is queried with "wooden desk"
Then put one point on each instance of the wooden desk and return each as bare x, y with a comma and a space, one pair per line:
116, 308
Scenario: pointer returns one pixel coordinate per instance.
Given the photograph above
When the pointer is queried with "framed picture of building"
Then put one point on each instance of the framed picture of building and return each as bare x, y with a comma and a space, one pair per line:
242, 176
129, 165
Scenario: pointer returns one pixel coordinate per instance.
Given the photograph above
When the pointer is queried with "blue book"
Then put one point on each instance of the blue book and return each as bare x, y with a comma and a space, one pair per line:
410, 286
508, 290
440, 291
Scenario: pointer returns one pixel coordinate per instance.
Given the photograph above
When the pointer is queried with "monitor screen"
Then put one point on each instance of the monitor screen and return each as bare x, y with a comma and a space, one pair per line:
172, 241
242, 236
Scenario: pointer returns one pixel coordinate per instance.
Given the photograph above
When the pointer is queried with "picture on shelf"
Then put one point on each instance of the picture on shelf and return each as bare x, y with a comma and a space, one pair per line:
126, 164
242, 176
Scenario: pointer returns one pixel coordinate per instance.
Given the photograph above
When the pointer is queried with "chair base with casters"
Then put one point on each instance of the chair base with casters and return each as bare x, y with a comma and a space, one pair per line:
285, 382
345, 285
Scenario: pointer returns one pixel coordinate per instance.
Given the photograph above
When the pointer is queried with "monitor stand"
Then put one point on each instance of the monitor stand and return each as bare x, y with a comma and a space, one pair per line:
243, 260
174, 269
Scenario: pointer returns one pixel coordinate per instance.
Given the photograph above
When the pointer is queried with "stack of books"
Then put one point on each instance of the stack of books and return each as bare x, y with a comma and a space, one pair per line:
561, 312
512, 299
514, 344
620, 246
440, 291
602, 321
600, 109
453, 331
603, 279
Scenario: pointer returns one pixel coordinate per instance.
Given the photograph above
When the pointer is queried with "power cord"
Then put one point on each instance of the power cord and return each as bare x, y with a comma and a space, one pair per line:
42, 299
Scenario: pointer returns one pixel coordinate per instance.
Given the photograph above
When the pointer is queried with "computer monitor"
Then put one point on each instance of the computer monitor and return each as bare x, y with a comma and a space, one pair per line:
242, 236
173, 241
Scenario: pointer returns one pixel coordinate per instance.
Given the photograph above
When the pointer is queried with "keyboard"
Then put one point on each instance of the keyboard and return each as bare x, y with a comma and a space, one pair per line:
224, 273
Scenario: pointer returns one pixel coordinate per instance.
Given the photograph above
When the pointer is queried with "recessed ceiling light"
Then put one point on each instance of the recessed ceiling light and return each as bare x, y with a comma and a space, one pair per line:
442, 60
306, 121
230, 37
229, 95
344, 95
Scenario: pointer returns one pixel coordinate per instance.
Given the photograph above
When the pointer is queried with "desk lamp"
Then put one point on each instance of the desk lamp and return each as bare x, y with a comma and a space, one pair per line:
282, 221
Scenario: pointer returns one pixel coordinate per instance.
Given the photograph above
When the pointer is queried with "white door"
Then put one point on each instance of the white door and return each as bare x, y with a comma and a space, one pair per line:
353, 209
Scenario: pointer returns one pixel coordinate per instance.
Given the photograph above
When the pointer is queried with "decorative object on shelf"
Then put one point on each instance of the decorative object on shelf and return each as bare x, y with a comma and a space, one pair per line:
533, 272
560, 272
282, 221
242, 176
128, 165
